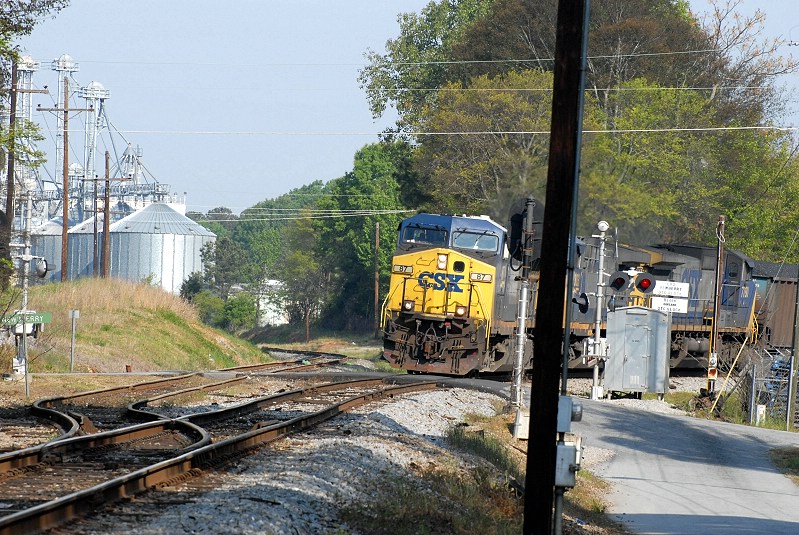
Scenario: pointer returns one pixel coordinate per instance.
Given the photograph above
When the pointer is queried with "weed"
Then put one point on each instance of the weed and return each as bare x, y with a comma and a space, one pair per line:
787, 460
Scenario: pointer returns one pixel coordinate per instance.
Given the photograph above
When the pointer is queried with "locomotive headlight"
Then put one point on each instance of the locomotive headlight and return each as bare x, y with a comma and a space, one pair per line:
408, 305
460, 310
481, 277
442, 261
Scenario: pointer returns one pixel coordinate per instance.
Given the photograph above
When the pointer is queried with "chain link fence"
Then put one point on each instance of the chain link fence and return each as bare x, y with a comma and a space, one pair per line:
765, 384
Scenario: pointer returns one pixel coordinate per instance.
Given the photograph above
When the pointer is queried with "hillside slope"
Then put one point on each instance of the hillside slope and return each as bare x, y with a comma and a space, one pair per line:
123, 324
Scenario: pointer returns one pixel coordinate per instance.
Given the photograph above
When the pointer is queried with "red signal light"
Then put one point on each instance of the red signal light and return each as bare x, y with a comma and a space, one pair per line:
644, 283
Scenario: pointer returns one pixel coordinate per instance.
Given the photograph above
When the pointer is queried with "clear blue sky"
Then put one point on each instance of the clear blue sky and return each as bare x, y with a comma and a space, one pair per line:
236, 102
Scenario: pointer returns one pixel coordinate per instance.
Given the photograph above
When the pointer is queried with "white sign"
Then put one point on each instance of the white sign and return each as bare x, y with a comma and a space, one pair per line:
670, 304
671, 289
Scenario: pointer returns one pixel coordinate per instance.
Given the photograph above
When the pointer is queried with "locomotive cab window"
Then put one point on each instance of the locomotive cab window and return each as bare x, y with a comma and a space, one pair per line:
732, 270
430, 236
476, 241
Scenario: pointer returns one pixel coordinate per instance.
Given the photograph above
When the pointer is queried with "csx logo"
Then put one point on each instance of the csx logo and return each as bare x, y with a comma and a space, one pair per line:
439, 281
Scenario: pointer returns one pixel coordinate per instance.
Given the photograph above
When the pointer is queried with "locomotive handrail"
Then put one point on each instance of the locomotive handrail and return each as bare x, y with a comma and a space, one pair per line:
384, 311
486, 317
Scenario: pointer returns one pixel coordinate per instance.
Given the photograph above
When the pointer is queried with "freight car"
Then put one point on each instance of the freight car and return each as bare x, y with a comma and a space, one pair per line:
454, 294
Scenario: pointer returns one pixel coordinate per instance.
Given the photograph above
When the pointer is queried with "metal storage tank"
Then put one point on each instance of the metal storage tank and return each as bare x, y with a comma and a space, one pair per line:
157, 242
46, 242
80, 249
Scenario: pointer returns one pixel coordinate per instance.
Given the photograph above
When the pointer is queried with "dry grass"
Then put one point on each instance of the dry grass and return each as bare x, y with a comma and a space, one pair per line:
787, 460
125, 324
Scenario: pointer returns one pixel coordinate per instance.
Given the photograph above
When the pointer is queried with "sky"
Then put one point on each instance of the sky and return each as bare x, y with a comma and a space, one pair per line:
236, 102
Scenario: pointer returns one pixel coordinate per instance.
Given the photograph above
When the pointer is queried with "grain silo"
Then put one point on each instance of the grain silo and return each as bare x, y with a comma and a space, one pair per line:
83, 254
157, 244
46, 242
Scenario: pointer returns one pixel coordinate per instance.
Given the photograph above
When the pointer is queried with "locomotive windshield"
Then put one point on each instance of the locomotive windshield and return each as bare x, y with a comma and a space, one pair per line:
475, 241
426, 235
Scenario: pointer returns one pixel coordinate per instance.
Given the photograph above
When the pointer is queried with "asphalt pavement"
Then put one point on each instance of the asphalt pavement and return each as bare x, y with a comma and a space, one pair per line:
684, 475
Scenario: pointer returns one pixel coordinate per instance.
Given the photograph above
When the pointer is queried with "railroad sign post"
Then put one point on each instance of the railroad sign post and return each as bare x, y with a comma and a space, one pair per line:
74, 315
31, 317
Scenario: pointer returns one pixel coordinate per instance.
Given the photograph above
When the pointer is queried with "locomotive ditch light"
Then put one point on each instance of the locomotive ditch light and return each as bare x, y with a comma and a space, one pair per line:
408, 305
644, 283
460, 310
619, 281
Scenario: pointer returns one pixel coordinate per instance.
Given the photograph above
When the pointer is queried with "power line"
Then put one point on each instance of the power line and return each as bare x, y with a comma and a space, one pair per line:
450, 133
399, 63
364, 213
589, 89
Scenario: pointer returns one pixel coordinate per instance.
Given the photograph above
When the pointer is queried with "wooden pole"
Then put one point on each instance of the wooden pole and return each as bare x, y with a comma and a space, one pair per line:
107, 218
377, 279
550, 335
65, 185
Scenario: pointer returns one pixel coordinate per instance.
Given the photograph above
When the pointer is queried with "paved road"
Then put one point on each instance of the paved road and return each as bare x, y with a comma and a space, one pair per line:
682, 475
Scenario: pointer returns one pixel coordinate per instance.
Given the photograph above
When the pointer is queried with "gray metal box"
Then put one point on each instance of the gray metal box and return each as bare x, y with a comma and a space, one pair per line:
639, 348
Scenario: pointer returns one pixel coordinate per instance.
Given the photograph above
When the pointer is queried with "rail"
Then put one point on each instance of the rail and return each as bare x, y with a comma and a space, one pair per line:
55, 512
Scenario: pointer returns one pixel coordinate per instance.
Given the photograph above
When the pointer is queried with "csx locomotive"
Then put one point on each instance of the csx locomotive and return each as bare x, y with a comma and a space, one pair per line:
453, 296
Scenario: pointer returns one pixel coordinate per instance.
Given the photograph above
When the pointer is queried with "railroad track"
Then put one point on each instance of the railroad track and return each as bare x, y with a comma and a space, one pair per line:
311, 362
170, 450
20, 429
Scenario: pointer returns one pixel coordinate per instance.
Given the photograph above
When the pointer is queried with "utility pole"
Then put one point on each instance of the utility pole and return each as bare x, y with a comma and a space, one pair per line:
377, 279
65, 176
65, 187
106, 216
713, 354
551, 340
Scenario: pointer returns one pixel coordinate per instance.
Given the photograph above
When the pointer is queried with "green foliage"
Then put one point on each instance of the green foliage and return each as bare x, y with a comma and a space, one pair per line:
414, 64
494, 159
191, 286
239, 312
347, 244
226, 263
210, 308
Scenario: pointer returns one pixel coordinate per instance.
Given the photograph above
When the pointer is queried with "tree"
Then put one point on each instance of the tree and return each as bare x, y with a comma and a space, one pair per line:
191, 286
259, 230
658, 40
654, 74
226, 263
306, 280
485, 154
17, 18
347, 240
239, 312
210, 307
407, 76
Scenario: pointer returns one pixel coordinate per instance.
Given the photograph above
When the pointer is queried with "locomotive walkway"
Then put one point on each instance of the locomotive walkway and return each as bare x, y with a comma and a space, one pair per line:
684, 475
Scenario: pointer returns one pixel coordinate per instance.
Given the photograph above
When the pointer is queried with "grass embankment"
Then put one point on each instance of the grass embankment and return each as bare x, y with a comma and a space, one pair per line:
123, 324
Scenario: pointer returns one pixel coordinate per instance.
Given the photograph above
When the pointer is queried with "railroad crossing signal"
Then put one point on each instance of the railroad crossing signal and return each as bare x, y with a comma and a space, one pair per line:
619, 281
